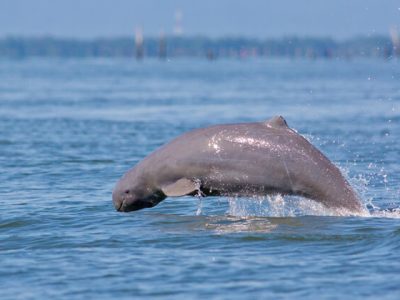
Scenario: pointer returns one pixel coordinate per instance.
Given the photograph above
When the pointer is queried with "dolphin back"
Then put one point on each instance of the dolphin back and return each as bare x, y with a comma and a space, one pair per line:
246, 159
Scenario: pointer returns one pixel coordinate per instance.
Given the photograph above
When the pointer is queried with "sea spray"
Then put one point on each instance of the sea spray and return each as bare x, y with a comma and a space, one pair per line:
277, 206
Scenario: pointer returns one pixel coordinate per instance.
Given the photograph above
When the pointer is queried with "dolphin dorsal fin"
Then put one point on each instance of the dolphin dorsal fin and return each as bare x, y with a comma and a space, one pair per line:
277, 122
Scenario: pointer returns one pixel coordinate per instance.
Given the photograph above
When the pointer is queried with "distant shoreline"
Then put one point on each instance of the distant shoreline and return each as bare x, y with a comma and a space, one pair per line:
198, 46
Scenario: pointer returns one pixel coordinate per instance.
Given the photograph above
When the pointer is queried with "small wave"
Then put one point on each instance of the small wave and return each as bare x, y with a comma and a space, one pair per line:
6, 142
89, 161
231, 224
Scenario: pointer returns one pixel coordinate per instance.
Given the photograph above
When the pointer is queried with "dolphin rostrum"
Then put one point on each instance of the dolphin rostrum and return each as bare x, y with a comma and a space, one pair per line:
236, 160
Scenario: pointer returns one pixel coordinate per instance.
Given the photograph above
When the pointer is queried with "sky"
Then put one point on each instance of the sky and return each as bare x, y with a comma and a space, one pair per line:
338, 19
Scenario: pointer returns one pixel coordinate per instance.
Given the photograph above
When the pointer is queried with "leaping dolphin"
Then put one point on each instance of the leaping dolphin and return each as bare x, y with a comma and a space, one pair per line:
236, 160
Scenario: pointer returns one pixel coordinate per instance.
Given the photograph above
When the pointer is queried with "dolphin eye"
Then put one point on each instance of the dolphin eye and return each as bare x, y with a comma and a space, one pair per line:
127, 192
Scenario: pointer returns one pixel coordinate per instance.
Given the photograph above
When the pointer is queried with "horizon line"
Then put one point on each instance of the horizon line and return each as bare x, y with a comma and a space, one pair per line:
199, 36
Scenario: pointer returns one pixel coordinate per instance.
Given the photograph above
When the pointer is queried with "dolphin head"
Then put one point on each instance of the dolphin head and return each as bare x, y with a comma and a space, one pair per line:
132, 192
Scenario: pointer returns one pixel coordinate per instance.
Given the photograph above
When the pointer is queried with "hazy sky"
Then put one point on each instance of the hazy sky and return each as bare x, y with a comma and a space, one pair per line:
257, 18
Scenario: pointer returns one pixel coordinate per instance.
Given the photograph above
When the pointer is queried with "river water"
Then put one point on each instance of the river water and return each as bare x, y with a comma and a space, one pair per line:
70, 128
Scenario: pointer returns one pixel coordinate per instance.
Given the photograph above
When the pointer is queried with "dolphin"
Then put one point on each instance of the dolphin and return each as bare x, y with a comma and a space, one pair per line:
245, 159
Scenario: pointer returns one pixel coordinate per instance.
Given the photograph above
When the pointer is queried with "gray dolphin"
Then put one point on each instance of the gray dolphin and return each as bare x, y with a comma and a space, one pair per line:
236, 160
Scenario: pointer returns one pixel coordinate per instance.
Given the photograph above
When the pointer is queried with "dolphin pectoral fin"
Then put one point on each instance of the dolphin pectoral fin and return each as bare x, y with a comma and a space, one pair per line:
180, 187
277, 122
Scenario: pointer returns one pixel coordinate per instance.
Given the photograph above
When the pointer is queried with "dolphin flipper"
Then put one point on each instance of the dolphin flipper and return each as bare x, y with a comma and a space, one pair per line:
180, 187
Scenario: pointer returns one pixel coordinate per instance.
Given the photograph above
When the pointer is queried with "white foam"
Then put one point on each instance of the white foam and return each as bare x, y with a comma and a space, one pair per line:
386, 213
293, 206
279, 206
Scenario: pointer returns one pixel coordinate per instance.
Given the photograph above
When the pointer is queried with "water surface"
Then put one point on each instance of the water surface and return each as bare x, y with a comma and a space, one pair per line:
70, 128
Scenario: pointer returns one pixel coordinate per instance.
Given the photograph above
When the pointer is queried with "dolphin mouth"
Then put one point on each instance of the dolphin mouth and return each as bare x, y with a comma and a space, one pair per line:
137, 205
118, 205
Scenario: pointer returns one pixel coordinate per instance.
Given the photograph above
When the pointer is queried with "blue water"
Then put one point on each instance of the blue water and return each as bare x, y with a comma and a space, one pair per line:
70, 128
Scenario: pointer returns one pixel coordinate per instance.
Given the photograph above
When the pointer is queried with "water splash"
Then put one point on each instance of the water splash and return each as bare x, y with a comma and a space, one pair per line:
294, 206
372, 185
199, 196
362, 183
199, 210
390, 213
280, 206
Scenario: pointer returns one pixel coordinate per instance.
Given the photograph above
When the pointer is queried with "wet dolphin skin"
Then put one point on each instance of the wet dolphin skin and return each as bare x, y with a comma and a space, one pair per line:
244, 159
